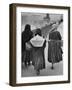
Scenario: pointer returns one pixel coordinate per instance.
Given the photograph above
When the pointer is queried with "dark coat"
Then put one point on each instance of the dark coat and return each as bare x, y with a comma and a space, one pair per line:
37, 57
54, 47
26, 36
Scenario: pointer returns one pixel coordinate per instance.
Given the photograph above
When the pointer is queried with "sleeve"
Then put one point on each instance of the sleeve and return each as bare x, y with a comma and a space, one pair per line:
31, 35
59, 36
44, 45
50, 35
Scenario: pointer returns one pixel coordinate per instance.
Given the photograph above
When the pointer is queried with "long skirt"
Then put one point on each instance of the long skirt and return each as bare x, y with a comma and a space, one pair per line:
26, 56
54, 52
37, 57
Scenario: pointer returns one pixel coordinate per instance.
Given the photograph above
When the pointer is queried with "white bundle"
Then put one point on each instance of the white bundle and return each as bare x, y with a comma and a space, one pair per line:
37, 41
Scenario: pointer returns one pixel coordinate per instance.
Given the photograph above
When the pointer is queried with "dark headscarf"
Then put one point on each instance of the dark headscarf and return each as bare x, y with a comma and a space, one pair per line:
38, 32
27, 28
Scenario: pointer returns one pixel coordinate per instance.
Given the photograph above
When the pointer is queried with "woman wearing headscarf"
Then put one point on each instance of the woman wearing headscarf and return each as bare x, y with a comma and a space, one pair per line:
26, 36
54, 46
37, 55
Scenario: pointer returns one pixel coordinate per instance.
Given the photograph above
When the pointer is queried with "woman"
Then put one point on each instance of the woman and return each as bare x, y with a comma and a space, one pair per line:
26, 36
37, 55
54, 49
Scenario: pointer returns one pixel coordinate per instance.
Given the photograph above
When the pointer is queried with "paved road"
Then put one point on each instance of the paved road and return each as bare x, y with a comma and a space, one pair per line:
58, 68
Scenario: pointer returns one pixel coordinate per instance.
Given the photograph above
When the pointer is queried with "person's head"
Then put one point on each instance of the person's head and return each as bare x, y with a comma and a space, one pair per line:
60, 21
55, 26
27, 27
38, 32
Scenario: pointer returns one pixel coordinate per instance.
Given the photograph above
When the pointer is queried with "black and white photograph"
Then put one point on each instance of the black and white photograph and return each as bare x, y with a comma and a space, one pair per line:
42, 44
40, 53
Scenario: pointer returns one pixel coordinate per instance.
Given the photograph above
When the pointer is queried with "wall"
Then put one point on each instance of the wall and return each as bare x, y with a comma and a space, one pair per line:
4, 45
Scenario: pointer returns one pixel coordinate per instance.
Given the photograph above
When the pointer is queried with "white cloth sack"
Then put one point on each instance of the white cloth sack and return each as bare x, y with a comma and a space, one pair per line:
37, 41
28, 46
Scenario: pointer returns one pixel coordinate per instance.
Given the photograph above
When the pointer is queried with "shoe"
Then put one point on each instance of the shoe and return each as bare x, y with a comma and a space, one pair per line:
28, 63
25, 64
37, 72
52, 68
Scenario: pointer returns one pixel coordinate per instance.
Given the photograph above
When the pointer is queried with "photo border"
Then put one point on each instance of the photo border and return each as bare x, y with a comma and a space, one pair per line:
12, 63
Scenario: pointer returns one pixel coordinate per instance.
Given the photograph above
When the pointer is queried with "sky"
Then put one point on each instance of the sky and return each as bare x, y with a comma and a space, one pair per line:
37, 20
